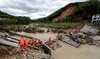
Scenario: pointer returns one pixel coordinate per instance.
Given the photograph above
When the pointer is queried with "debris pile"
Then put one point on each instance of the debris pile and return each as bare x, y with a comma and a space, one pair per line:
87, 35
25, 28
6, 50
54, 44
15, 53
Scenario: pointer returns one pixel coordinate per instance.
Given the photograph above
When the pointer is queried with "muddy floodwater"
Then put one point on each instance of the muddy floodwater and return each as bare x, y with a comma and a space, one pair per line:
70, 52
41, 36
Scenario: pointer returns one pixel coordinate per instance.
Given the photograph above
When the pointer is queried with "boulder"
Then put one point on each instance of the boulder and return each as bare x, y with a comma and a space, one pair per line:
89, 30
55, 20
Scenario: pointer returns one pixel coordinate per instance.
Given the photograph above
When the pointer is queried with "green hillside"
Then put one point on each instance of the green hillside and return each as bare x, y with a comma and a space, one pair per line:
85, 10
7, 19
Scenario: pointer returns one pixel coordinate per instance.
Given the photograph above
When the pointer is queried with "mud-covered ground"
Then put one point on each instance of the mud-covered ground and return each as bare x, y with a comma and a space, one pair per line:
15, 53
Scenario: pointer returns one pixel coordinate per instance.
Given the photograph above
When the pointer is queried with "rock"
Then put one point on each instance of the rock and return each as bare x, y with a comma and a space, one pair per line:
89, 30
55, 20
96, 38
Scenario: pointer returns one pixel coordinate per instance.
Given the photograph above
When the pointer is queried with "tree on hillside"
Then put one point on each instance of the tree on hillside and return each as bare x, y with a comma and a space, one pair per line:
89, 8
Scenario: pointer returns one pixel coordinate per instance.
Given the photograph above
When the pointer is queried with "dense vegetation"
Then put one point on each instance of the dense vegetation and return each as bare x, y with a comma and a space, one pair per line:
53, 15
63, 24
85, 11
57, 25
6, 19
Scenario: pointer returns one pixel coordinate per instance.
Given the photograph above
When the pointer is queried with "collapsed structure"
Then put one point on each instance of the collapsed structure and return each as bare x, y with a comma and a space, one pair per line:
87, 35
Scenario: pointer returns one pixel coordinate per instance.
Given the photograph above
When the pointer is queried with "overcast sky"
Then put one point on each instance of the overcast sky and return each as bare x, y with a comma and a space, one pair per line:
33, 8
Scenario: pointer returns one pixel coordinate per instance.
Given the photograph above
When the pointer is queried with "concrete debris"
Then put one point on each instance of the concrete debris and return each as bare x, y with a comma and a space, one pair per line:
9, 43
69, 40
89, 30
87, 35
97, 38
54, 45
6, 40
75, 38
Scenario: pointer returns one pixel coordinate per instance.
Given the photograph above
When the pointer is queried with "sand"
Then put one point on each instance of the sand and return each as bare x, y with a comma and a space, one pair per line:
70, 52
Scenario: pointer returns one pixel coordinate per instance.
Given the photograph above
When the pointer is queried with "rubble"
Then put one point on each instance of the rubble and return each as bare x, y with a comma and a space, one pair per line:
75, 38
87, 35
70, 41
89, 30
96, 38
25, 28
5, 50
54, 45
2, 34
15, 53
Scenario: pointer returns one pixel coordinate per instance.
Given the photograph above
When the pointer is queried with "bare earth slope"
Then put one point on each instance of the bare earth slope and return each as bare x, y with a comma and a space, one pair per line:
67, 12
